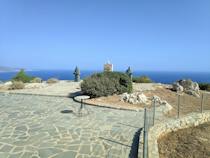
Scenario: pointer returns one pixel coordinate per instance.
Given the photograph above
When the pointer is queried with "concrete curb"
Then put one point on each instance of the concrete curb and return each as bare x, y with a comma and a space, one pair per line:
70, 96
43, 95
161, 129
106, 106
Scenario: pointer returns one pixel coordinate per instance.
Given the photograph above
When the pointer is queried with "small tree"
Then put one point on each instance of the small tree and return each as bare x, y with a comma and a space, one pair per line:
21, 76
129, 72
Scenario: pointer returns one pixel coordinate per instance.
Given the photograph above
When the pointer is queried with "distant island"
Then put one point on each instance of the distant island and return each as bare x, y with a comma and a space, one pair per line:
8, 69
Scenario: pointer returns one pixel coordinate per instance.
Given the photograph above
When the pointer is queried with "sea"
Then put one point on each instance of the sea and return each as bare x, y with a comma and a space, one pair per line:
156, 76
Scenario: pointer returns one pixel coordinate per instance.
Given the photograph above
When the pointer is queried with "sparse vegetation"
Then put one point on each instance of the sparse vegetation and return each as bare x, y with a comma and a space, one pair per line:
52, 80
107, 83
204, 86
142, 79
36, 80
17, 85
22, 76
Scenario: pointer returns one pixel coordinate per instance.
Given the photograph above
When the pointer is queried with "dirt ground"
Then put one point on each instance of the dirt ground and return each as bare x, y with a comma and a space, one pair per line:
186, 143
188, 103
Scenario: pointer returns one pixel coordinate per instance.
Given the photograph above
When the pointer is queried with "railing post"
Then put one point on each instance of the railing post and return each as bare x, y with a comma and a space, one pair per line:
178, 106
145, 146
202, 100
81, 107
154, 109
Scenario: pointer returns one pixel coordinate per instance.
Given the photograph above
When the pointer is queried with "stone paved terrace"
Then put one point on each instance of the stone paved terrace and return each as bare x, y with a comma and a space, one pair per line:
34, 127
62, 88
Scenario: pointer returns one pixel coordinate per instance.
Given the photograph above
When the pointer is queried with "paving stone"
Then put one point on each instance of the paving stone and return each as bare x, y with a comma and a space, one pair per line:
35, 125
17, 155
73, 147
84, 149
4, 155
6, 148
27, 155
17, 149
68, 154
47, 152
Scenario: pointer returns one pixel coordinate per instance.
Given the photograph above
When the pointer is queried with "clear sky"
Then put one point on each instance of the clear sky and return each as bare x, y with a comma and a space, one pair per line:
163, 35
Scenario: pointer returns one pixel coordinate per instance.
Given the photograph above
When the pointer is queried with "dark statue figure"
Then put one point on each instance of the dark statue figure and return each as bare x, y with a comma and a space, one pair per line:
129, 72
76, 74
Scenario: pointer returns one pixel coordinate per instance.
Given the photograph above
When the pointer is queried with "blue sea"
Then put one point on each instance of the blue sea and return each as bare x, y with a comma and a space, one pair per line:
159, 77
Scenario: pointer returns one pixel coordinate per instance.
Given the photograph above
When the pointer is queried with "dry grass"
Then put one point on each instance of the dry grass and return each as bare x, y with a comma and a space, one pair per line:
186, 143
188, 104
114, 101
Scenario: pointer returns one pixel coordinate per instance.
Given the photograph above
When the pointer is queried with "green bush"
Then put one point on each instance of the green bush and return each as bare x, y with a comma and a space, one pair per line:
21, 76
142, 79
204, 86
106, 83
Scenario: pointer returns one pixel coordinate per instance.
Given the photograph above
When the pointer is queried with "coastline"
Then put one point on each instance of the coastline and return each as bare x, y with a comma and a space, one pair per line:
157, 76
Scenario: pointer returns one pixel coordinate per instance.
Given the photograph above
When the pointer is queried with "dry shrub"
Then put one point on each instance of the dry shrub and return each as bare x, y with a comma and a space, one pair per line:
17, 85
52, 80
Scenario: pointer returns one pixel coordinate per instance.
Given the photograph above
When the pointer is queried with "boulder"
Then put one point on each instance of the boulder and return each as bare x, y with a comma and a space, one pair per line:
177, 87
157, 100
17, 85
36, 80
35, 85
52, 80
187, 86
8, 83
134, 98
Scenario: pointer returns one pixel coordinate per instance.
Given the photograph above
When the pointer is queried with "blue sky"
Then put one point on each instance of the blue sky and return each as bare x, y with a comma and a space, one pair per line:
155, 35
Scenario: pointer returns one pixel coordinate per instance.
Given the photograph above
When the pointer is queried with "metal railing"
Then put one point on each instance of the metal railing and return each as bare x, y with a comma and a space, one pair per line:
183, 106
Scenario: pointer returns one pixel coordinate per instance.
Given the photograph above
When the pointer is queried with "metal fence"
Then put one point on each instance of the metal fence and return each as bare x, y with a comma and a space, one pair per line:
185, 104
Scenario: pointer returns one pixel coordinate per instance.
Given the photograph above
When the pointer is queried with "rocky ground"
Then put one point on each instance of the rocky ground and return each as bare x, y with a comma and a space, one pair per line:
186, 143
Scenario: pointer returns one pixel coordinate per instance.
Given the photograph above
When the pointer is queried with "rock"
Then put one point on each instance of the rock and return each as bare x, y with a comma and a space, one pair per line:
134, 98
142, 98
177, 87
190, 92
52, 80
187, 86
35, 85
125, 97
36, 80
9, 83
17, 85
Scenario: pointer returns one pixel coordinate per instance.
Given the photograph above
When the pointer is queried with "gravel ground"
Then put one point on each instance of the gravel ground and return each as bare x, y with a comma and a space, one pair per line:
186, 143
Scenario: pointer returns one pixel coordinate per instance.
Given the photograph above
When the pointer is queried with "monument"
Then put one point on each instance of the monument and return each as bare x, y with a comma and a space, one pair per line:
108, 67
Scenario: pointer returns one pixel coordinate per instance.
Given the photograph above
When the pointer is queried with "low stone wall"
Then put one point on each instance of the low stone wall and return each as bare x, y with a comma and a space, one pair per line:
162, 129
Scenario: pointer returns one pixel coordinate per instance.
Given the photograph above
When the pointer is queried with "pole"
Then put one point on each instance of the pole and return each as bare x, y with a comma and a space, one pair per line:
154, 109
145, 134
178, 108
81, 107
202, 100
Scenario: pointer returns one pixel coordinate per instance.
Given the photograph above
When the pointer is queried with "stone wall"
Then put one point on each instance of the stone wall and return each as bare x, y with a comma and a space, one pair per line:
162, 129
